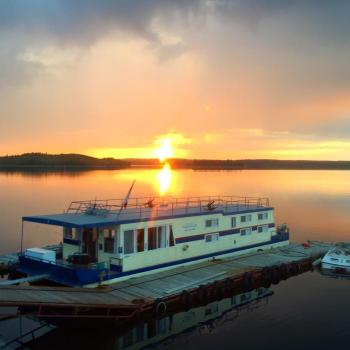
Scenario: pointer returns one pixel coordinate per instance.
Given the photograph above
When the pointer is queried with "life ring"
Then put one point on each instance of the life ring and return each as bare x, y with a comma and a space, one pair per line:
160, 307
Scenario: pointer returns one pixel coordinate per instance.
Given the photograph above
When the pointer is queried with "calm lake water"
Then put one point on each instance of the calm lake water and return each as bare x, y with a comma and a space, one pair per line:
309, 311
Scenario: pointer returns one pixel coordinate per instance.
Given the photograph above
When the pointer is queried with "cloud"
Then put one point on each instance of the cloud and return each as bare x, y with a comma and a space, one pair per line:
13, 70
268, 70
35, 25
334, 129
82, 22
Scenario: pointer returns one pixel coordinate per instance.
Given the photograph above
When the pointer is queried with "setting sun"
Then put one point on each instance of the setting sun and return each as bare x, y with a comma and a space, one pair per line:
165, 150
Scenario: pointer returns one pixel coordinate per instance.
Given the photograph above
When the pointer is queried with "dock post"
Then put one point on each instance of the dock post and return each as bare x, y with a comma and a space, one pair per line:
22, 237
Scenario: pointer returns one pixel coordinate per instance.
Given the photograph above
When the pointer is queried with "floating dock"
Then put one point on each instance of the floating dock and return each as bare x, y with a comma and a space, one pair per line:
160, 293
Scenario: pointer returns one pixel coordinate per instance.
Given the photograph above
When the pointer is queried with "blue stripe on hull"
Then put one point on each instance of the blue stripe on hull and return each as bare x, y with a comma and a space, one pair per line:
76, 277
275, 239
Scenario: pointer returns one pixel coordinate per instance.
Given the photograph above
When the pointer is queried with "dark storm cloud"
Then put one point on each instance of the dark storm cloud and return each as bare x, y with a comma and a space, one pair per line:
319, 26
39, 23
84, 21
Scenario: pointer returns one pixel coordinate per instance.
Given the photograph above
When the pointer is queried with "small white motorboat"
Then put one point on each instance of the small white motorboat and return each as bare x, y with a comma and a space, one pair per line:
338, 257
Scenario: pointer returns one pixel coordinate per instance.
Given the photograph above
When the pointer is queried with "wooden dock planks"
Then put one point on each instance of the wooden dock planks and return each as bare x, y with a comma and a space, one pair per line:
160, 285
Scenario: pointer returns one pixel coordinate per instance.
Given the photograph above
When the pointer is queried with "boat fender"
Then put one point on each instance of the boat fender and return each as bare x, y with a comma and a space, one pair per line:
160, 307
266, 277
276, 275
228, 285
284, 272
185, 298
203, 294
247, 281
219, 289
295, 269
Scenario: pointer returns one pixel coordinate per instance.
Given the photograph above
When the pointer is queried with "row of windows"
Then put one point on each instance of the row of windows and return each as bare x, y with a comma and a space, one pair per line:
212, 237
243, 219
248, 218
147, 239
248, 231
263, 216
135, 240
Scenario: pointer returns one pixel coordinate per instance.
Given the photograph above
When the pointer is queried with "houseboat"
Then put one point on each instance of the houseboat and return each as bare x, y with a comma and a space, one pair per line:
105, 241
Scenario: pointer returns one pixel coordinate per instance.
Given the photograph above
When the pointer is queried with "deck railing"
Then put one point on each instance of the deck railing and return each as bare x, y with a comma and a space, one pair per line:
163, 206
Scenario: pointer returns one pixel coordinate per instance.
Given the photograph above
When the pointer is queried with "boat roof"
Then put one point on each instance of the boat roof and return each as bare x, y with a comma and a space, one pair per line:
106, 213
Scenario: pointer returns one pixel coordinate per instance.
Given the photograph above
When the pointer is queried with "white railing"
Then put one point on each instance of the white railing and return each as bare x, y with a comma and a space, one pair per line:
156, 206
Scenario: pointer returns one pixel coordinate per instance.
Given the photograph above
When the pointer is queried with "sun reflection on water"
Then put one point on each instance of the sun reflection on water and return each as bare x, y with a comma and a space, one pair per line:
164, 178
163, 181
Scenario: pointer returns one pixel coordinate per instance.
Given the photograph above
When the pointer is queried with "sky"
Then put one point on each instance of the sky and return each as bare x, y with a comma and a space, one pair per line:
221, 79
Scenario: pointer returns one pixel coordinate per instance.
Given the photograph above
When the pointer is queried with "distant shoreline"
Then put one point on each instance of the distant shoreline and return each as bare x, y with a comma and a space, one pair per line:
78, 162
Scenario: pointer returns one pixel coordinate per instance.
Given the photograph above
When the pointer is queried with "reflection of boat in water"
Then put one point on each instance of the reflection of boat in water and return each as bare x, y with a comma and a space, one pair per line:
335, 273
338, 258
201, 319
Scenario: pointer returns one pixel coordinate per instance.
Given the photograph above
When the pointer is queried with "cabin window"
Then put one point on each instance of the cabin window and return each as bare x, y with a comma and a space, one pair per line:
171, 237
263, 216
263, 228
157, 237
70, 233
211, 222
161, 239
212, 237
246, 231
246, 218
128, 241
233, 221
109, 236
152, 238
140, 234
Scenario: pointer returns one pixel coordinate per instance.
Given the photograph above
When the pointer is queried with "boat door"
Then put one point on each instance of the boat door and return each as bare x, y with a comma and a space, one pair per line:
90, 242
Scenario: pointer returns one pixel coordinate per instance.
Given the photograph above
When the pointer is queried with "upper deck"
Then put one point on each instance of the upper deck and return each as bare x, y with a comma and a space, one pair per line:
99, 213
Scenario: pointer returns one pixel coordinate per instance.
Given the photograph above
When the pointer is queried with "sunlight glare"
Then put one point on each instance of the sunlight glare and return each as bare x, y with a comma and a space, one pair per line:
165, 150
164, 178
